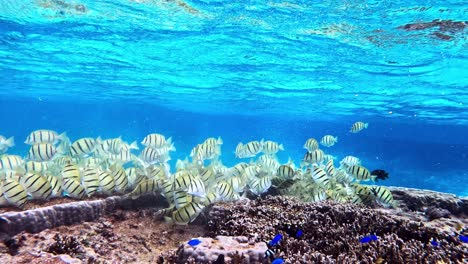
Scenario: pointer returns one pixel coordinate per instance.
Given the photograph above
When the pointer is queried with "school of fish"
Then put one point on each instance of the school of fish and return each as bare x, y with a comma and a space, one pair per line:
55, 166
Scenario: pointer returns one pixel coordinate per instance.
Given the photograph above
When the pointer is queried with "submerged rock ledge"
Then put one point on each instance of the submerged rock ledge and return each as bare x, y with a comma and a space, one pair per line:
36, 220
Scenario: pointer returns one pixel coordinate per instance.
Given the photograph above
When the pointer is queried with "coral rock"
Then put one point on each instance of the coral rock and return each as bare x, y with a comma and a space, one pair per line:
231, 248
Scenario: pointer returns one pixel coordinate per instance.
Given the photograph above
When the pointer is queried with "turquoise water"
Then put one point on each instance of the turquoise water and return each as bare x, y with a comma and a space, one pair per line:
246, 70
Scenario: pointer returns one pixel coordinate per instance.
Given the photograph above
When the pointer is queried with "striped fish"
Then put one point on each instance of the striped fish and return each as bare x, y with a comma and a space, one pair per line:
205, 151
83, 146
120, 178
285, 172
240, 150
252, 148
358, 127
181, 198
320, 176
36, 166
187, 214
207, 200
14, 193
106, 182
271, 147
213, 141
182, 180
73, 189
238, 169
90, 181
10, 162
196, 187
315, 195
156, 141
237, 184
328, 140
361, 173
37, 186
43, 152
71, 171
55, 185
329, 168
315, 156
383, 195
146, 186
311, 144
44, 136
152, 155
224, 191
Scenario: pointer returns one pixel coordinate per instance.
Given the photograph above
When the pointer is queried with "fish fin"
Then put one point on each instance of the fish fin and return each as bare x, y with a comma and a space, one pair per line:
10, 142
134, 145
219, 141
62, 136
281, 147
366, 125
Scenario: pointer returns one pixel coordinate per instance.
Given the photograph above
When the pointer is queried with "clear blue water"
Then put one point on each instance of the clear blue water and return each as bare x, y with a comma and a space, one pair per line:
246, 70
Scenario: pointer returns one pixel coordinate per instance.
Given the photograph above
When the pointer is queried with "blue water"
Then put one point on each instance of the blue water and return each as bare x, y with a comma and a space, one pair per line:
245, 70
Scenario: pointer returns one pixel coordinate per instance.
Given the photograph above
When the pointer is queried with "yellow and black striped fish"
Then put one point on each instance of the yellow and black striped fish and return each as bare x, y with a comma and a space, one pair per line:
271, 147
37, 186
156, 141
311, 144
358, 127
14, 192
10, 162
224, 191
146, 186
252, 148
316, 156
71, 171
55, 185
83, 146
187, 214
181, 198
44, 136
285, 172
328, 140
36, 166
329, 168
73, 189
383, 195
320, 176
42, 152
106, 182
90, 181
360, 173
120, 178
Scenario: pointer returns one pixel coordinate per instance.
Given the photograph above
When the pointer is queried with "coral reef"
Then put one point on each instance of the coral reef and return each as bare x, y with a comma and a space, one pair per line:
332, 232
230, 248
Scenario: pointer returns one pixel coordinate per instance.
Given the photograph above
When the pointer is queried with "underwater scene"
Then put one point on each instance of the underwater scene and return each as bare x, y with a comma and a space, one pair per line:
173, 131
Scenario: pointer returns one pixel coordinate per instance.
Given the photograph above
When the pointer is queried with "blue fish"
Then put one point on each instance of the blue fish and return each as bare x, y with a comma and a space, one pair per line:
278, 261
299, 233
374, 237
276, 240
434, 243
365, 239
194, 242
463, 238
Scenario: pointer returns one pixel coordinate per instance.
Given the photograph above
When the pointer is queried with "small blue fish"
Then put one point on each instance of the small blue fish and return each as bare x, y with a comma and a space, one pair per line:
365, 239
278, 261
275, 241
434, 243
374, 237
299, 233
463, 238
194, 242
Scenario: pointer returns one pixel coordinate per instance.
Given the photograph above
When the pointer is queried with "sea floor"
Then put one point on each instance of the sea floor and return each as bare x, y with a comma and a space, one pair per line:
331, 233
